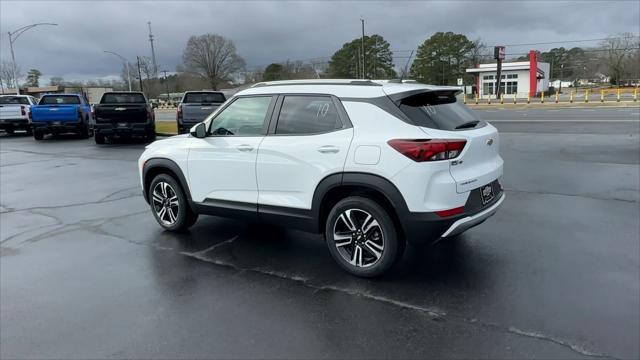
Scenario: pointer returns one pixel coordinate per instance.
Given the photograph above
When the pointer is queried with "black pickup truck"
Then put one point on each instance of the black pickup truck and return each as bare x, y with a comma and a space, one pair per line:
123, 114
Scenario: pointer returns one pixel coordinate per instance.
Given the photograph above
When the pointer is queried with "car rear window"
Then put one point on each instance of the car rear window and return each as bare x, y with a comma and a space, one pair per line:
59, 99
204, 98
439, 110
122, 98
18, 100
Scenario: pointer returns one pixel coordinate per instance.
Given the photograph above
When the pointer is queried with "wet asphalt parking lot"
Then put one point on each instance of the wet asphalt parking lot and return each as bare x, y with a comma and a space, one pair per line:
85, 272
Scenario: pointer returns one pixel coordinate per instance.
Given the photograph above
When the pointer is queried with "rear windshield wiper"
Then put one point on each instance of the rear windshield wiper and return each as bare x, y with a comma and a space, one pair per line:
467, 125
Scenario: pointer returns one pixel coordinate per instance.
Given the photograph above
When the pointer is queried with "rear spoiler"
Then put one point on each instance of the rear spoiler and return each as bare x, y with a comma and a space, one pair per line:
398, 97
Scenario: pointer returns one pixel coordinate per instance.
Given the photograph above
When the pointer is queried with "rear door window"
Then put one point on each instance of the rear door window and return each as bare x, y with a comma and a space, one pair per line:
439, 110
204, 98
60, 100
307, 115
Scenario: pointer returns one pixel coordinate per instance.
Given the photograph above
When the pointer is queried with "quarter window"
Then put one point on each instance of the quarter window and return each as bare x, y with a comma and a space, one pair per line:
244, 117
307, 115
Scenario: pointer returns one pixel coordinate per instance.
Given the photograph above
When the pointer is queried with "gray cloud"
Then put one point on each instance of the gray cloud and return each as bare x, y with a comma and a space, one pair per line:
269, 31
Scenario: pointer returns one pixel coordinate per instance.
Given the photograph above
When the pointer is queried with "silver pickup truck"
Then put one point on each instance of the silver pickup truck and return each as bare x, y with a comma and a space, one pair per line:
196, 106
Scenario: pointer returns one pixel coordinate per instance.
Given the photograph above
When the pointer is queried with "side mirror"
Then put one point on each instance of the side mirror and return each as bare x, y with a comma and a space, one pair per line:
199, 130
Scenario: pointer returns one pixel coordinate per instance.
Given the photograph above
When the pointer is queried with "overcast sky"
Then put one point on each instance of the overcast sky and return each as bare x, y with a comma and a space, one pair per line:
271, 31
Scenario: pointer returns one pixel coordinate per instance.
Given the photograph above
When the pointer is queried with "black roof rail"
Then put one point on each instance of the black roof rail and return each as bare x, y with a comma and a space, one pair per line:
352, 82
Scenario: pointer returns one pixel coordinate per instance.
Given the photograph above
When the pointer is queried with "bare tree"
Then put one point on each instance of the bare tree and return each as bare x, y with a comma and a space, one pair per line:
6, 74
213, 57
618, 49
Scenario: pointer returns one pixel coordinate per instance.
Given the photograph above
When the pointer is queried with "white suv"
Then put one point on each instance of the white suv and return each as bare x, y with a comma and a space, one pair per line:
369, 164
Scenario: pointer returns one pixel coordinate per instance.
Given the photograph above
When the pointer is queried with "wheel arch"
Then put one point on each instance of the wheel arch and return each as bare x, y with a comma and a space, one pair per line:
155, 166
335, 187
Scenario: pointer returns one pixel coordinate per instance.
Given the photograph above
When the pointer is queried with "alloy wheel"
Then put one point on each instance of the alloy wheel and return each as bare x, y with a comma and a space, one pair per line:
165, 203
358, 237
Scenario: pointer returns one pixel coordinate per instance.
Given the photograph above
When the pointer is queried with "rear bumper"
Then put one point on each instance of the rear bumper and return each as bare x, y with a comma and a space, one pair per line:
126, 129
57, 126
425, 228
14, 124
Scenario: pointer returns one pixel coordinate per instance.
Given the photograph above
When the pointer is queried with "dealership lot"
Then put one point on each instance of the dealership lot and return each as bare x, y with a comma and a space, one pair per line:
85, 271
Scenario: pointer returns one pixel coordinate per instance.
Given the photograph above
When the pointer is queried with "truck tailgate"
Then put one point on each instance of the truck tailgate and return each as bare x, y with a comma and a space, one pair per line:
11, 112
46, 113
132, 113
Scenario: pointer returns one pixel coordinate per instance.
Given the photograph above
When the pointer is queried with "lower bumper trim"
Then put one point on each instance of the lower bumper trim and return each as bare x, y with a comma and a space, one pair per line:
468, 222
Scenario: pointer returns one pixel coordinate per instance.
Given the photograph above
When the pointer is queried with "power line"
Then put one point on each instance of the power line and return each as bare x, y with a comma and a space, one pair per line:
573, 41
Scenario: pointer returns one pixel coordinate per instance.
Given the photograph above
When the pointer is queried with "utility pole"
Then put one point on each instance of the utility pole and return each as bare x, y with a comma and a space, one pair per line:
375, 55
364, 73
139, 74
561, 76
153, 52
166, 83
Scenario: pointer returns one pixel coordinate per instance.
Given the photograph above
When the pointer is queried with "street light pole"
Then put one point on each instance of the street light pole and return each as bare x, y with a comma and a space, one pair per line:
126, 64
13, 36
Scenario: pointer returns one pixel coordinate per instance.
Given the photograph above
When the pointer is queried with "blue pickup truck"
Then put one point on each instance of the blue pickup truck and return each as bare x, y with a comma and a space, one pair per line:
61, 113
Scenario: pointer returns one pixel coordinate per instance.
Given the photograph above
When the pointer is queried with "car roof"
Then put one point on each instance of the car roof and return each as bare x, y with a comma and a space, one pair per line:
342, 87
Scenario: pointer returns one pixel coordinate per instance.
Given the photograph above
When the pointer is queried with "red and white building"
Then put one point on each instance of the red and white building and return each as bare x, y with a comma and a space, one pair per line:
521, 78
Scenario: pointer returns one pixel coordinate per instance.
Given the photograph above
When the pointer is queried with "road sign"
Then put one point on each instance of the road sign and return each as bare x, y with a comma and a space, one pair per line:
460, 82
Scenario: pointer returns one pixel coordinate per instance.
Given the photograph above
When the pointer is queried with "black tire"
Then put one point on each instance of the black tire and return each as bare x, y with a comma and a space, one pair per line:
28, 131
382, 237
176, 218
151, 137
38, 135
84, 132
99, 139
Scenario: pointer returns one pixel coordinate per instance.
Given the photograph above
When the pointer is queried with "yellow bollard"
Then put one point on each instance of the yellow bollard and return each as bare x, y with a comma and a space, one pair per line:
602, 95
635, 94
586, 95
571, 96
618, 98
542, 98
477, 99
501, 98
464, 98
489, 99
514, 98
529, 98
557, 96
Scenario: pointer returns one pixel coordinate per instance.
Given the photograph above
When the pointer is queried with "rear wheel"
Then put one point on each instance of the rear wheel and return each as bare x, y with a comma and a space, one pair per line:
38, 135
169, 204
84, 132
361, 237
99, 138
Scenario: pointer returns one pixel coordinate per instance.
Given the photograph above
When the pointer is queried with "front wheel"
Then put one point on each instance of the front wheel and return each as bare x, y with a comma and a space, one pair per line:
362, 237
169, 204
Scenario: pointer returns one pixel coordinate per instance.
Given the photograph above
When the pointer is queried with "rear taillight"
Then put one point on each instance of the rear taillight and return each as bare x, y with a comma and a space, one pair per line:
428, 150
93, 112
179, 113
23, 110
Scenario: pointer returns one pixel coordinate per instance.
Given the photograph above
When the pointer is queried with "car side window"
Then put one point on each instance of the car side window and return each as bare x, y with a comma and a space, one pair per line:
246, 116
301, 114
